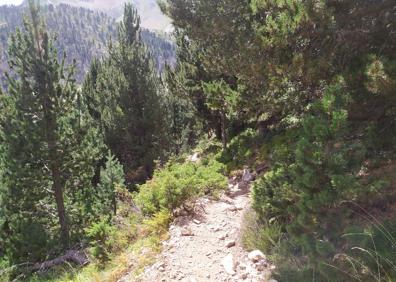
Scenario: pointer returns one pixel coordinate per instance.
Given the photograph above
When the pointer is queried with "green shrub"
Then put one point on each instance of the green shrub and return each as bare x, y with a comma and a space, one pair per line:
4, 270
101, 235
158, 223
311, 180
240, 149
178, 183
111, 179
30, 243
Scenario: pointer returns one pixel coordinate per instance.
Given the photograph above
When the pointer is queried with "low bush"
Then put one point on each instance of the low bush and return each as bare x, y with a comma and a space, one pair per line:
178, 183
158, 223
309, 185
240, 149
101, 235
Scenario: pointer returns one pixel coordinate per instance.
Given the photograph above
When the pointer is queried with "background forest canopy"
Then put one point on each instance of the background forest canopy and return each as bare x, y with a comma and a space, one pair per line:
301, 92
82, 33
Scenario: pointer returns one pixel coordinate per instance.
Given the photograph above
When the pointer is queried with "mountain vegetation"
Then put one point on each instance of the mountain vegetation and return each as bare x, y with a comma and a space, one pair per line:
150, 14
81, 33
317, 79
300, 92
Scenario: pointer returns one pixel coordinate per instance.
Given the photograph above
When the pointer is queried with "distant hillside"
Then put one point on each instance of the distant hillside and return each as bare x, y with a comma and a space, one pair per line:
83, 34
149, 11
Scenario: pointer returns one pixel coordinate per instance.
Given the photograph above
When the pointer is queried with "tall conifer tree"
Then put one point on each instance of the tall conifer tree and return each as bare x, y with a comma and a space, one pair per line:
123, 96
50, 147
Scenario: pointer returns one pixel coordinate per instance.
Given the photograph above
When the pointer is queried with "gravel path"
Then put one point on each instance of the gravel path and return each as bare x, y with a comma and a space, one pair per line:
207, 247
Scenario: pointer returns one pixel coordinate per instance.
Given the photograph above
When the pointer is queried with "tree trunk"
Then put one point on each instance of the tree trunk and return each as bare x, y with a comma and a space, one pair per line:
58, 192
114, 200
223, 130
46, 90
56, 171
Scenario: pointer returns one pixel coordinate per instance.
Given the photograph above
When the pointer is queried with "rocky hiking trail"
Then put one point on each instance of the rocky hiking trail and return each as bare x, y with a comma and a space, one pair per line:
206, 245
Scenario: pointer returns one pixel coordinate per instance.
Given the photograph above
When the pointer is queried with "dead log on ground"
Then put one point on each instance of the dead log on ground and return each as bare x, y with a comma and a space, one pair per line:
75, 256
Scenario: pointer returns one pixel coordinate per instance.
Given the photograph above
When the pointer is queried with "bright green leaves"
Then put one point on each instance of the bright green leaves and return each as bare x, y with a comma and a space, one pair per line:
379, 73
220, 96
112, 180
179, 183
278, 20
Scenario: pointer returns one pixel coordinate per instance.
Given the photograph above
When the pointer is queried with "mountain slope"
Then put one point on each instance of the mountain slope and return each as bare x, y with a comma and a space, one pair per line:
149, 11
82, 33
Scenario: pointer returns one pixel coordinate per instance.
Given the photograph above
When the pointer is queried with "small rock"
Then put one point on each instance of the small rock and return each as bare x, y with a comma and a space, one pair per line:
235, 208
226, 200
194, 158
232, 208
186, 232
261, 265
196, 221
222, 237
243, 276
181, 212
247, 176
242, 266
162, 269
256, 256
228, 263
230, 244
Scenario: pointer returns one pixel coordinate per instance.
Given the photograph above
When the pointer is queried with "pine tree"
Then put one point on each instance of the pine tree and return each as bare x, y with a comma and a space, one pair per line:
223, 99
123, 94
111, 179
50, 145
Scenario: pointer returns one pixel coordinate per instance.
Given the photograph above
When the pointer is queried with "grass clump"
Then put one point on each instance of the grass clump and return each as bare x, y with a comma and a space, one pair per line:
264, 236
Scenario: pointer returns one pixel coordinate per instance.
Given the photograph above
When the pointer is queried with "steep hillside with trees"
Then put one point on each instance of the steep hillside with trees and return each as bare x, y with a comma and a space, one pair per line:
151, 16
64, 149
82, 34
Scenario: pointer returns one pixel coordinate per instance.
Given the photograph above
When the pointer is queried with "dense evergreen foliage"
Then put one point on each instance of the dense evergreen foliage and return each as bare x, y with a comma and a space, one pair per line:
315, 79
123, 95
51, 149
57, 178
